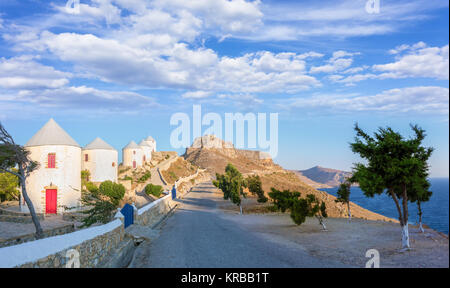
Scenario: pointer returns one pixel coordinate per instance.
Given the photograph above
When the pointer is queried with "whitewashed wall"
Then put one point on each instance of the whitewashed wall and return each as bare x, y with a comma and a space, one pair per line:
129, 156
66, 177
147, 151
100, 164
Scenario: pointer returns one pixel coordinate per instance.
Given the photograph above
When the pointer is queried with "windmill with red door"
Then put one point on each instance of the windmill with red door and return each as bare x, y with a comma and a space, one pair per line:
57, 182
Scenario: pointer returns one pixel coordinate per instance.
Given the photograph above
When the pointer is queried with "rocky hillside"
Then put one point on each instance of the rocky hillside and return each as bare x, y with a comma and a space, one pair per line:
321, 177
213, 154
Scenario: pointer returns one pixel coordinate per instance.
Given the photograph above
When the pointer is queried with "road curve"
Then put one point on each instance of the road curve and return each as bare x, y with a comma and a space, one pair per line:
199, 234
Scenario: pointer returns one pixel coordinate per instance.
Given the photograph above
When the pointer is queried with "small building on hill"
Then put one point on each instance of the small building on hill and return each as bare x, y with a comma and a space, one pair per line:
132, 155
100, 159
146, 150
57, 181
151, 142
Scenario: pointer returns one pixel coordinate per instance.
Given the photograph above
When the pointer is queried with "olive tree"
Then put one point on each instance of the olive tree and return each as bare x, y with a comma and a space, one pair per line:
394, 165
343, 196
232, 185
13, 156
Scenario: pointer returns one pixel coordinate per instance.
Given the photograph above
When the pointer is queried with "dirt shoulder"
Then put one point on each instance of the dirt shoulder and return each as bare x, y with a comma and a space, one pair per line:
345, 242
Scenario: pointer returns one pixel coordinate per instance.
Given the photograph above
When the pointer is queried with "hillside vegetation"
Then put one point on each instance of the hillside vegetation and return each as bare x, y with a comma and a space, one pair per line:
215, 159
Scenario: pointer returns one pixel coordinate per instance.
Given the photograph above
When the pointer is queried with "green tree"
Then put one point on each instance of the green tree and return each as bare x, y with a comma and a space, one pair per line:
283, 200
13, 155
420, 193
308, 207
300, 208
394, 166
9, 184
343, 196
103, 202
255, 187
232, 185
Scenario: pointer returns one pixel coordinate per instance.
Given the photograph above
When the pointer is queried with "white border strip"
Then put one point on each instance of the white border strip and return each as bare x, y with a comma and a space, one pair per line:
152, 204
32, 251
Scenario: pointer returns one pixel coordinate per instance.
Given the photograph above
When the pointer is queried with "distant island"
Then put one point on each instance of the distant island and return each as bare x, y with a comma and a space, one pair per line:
320, 177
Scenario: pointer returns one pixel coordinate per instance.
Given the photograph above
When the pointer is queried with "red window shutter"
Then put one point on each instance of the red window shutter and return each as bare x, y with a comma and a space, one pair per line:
86, 157
51, 160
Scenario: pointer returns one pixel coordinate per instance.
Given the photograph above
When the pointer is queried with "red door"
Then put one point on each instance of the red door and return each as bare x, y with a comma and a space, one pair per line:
50, 201
134, 164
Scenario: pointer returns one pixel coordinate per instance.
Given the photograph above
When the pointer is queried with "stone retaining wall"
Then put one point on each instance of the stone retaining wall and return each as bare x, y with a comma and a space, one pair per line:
69, 228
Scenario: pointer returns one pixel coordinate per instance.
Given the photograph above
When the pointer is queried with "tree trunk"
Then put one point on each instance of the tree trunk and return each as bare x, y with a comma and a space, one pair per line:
405, 232
349, 212
402, 217
37, 224
322, 223
420, 217
240, 209
405, 237
397, 205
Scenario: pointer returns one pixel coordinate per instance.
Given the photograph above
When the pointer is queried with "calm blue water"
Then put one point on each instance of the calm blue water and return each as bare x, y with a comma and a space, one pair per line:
435, 211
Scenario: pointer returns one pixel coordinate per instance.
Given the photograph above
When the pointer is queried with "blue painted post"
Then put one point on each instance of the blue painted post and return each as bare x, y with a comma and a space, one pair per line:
128, 213
174, 192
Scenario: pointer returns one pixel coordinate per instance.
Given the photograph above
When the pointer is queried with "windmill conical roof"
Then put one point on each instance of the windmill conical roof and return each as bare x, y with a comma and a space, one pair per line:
143, 143
98, 143
51, 134
132, 145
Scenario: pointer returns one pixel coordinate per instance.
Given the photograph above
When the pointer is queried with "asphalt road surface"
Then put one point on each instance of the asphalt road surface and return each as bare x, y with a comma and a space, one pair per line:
199, 234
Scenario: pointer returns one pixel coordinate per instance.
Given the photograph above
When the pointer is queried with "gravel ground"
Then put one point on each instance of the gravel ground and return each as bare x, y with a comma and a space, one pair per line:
204, 233
10, 230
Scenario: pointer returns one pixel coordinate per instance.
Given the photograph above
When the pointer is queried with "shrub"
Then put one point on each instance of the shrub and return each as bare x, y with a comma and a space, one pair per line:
114, 191
127, 178
283, 200
85, 174
145, 177
255, 187
8, 187
154, 190
91, 187
103, 200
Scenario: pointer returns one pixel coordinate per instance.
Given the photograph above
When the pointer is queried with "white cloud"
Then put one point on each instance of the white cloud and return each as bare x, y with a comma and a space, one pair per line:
80, 98
342, 18
421, 61
197, 94
412, 61
178, 66
339, 61
25, 73
227, 16
423, 99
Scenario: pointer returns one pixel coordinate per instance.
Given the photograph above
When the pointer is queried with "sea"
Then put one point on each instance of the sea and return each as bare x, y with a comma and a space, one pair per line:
435, 211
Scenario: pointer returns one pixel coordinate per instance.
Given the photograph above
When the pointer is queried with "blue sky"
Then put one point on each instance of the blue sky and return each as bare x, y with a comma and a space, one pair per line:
119, 69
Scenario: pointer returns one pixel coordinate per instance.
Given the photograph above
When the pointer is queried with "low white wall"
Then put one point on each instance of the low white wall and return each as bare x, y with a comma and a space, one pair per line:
39, 250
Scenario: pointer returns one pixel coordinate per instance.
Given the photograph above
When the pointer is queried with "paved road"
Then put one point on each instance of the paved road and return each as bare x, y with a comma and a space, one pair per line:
199, 234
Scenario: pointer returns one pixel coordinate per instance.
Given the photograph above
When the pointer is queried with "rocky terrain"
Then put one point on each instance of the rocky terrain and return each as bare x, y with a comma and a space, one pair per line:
213, 154
320, 177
